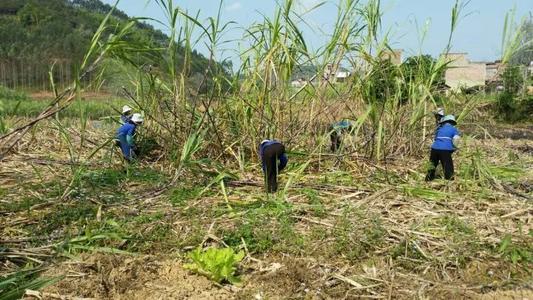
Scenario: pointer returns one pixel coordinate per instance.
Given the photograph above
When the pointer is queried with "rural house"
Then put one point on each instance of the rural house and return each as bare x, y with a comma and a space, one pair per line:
395, 56
462, 73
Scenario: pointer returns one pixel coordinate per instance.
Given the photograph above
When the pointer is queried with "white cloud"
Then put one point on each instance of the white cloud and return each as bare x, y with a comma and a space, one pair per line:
234, 6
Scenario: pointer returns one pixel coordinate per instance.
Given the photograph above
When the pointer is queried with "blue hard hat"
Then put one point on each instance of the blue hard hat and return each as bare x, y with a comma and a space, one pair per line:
448, 118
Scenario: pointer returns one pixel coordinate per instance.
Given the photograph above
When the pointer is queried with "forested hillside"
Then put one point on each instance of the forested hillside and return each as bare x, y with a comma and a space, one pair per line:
34, 34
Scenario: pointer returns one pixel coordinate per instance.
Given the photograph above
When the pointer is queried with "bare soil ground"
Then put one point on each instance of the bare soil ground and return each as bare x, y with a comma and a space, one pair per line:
340, 232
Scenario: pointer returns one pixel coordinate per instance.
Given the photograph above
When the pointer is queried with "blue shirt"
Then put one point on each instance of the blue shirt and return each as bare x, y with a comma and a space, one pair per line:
444, 137
283, 159
125, 118
126, 129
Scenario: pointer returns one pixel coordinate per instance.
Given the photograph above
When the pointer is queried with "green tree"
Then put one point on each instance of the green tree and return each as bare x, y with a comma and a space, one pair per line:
420, 68
513, 79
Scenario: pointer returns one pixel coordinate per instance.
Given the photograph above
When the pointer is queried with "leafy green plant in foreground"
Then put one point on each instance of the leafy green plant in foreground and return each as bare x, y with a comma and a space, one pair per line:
14, 286
216, 264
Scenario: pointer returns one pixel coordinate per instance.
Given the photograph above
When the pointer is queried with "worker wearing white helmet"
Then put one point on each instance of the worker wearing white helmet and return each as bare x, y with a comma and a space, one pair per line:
125, 117
125, 136
445, 143
439, 114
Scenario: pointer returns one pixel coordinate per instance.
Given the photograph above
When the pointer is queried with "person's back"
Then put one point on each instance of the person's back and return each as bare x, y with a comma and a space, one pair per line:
443, 146
270, 151
337, 130
444, 136
125, 118
126, 129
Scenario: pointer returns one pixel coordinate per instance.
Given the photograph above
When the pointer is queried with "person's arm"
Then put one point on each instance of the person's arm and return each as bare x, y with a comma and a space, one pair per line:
283, 159
456, 139
260, 152
129, 135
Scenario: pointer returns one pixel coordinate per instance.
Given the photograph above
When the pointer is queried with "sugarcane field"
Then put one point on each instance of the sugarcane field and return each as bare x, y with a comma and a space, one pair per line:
291, 149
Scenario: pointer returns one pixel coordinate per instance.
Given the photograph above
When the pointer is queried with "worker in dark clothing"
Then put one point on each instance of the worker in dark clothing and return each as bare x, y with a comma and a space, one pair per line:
125, 136
270, 152
337, 131
445, 143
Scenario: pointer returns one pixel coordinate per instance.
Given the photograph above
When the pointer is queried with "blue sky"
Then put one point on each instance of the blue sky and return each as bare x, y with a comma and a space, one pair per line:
479, 32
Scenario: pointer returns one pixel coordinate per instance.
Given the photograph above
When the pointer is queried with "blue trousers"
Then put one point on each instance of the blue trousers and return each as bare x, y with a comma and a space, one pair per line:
126, 149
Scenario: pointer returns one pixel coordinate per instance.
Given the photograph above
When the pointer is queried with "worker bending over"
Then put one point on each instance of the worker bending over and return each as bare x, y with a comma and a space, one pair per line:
125, 136
446, 138
337, 132
270, 151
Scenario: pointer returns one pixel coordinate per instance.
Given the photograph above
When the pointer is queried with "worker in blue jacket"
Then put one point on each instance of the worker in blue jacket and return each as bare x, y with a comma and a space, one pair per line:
270, 151
337, 131
125, 136
446, 138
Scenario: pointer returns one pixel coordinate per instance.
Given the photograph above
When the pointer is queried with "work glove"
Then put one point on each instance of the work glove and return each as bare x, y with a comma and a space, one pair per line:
456, 141
129, 140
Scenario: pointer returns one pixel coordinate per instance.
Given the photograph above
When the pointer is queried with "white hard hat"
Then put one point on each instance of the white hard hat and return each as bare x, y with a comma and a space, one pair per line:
440, 111
448, 118
126, 109
137, 118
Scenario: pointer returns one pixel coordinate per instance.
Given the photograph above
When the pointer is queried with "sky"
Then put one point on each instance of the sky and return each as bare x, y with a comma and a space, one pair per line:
479, 31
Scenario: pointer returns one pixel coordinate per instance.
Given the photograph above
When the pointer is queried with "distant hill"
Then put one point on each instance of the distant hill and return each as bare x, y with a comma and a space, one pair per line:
35, 33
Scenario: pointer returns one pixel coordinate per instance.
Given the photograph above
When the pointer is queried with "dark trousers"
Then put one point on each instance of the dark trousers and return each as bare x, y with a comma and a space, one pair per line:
270, 158
336, 140
443, 156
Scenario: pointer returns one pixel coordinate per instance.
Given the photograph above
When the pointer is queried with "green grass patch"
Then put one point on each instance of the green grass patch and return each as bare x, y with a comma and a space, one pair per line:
338, 178
454, 225
507, 173
65, 217
23, 204
181, 196
269, 226
424, 193
104, 177
106, 237
516, 249
93, 109
15, 285
357, 234
317, 207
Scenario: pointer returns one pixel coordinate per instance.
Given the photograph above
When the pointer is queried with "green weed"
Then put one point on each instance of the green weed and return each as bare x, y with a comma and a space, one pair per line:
514, 251
315, 202
507, 173
423, 193
65, 215
216, 264
453, 224
268, 226
180, 196
96, 237
357, 234
14, 286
